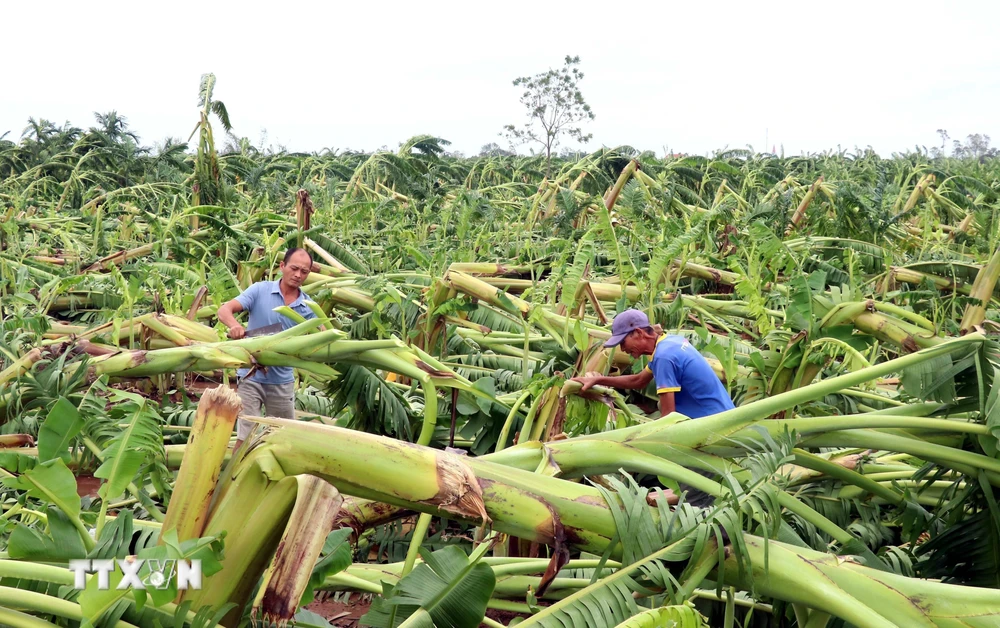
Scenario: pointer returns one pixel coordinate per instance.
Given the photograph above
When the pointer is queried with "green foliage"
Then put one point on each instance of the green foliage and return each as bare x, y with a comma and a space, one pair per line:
676, 616
122, 538
61, 543
51, 482
56, 434
699, 243
448, 590
138, 444
375, 405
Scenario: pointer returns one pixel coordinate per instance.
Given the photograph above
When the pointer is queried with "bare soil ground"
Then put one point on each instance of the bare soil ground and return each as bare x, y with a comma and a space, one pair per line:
87, 485
347, 615
339, 614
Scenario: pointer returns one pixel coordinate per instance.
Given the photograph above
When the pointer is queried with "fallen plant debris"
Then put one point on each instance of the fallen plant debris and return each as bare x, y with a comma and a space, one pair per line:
442, 466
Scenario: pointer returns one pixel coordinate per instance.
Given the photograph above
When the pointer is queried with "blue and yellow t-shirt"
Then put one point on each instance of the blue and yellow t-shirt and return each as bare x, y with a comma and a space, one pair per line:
677, 367
259, 300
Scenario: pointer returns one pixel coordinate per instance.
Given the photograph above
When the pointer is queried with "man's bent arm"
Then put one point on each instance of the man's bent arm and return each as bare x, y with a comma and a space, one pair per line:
626, 382
666, 403
225, 313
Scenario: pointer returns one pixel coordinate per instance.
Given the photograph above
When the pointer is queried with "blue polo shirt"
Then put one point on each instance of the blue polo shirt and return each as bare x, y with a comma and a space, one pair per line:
259, 300
677, 367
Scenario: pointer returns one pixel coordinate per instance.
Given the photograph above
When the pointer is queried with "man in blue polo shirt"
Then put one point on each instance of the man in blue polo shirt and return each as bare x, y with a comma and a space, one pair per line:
685, 382
273, 388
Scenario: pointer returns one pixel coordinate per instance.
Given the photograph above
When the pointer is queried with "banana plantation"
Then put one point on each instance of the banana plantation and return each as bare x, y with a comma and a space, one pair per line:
443, 469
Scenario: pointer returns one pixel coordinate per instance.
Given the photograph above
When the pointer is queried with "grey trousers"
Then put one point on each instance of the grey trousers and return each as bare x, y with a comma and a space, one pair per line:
277, 399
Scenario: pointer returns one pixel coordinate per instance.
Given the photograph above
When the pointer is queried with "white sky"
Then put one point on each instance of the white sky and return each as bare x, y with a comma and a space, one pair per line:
691, 76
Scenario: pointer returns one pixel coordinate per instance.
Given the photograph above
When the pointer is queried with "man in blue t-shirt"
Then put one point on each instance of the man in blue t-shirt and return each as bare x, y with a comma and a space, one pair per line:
272, 388
685, 382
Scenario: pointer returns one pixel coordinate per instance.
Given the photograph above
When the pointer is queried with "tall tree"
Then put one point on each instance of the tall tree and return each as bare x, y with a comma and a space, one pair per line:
114, 126
206, 172
555, 108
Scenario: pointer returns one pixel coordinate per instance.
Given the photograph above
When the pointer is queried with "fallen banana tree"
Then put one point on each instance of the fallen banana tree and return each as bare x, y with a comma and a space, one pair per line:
523, 504
302, 346
860, 462
266, 477
523, 491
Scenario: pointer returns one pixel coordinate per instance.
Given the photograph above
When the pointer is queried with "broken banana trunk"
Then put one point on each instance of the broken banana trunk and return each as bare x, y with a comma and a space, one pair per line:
516, 502
858, 594
316, 507
982, 292
203, 459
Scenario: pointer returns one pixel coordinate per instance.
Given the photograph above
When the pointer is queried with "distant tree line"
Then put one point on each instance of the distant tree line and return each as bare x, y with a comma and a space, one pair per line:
976, 146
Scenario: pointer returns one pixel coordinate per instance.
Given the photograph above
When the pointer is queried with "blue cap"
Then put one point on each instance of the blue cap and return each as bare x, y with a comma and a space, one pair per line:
624, 324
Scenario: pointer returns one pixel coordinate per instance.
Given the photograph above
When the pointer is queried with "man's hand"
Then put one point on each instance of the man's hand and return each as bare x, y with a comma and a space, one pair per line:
588, 381
225, 315
626, 382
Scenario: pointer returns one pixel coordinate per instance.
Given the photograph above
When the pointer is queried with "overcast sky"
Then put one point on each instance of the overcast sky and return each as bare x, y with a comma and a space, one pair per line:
691, 76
